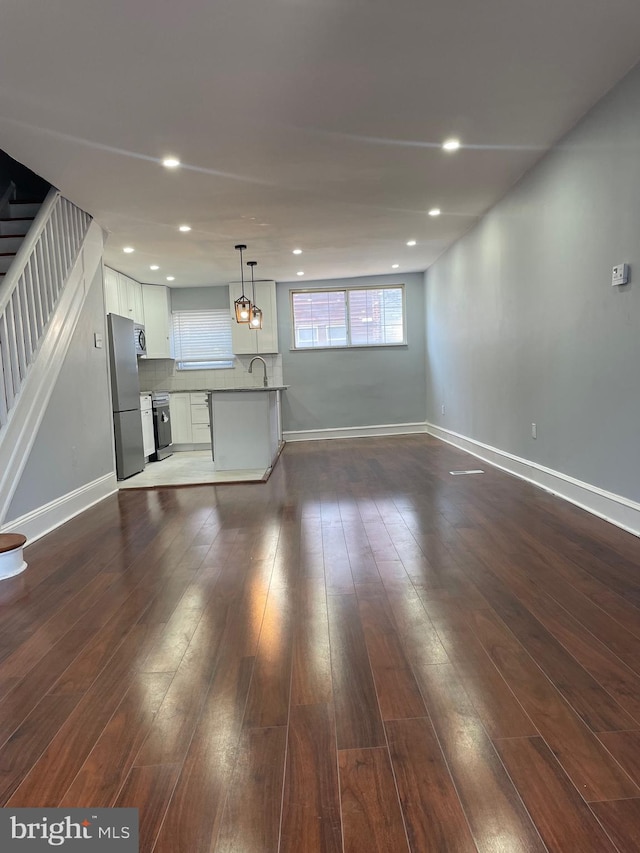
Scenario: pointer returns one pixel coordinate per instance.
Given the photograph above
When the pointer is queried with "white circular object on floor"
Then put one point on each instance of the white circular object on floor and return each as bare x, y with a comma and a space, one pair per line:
11, 557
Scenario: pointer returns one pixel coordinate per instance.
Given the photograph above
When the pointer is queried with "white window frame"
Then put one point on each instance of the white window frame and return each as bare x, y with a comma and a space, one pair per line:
218, 358
346, 291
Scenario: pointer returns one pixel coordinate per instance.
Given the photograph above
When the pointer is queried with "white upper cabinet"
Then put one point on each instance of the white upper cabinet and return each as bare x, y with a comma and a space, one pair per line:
246, 341
157, 311
131, 298
111, 294
126, 309
135, 291
123, 296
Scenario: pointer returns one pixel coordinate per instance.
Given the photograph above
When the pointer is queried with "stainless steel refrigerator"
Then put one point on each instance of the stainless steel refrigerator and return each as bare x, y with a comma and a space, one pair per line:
125, 395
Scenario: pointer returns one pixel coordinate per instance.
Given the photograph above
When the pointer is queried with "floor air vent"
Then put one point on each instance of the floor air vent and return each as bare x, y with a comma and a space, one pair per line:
472, 471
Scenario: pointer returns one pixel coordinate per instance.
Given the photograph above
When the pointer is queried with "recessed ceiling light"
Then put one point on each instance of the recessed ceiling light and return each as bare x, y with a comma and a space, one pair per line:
301, 272
435, 211
128, 249
171, 278
411, 242
171, 162
154, 267
451, 144
297, 251
394, 266
185, 228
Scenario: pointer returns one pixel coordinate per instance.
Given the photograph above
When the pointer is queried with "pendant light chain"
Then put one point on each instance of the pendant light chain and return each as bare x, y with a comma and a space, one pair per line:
247, 311
242, 305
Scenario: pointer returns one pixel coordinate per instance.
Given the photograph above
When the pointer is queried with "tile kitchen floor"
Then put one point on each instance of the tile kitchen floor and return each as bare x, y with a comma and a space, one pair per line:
187, 468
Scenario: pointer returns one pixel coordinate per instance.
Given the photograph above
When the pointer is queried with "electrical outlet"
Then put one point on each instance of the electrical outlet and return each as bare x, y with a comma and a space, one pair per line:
443, 408
534, 431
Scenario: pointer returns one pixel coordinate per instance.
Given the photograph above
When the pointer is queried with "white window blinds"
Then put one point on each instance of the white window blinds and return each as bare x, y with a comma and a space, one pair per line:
202, 339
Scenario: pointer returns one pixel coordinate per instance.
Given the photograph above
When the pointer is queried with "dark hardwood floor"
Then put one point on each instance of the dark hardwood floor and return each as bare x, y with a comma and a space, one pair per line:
362, 654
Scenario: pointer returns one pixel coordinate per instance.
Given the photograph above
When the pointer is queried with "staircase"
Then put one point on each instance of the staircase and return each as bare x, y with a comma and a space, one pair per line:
49, 254
15, 222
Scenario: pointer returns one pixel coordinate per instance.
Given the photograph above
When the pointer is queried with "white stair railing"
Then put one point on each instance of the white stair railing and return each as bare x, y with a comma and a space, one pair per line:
31, 287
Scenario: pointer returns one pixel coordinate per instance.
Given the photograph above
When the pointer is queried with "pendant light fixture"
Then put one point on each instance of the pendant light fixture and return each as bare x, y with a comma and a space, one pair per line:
256, 314
242, 304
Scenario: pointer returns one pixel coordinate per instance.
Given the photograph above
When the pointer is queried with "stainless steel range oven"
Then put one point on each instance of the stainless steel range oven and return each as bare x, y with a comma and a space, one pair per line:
161, 424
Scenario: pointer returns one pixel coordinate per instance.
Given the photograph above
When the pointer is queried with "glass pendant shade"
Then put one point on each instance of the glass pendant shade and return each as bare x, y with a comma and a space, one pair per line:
256, 314
242, 304
243, 309
256, 319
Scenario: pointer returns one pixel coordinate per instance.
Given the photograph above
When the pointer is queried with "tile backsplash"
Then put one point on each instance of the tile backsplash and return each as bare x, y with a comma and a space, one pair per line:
160, 374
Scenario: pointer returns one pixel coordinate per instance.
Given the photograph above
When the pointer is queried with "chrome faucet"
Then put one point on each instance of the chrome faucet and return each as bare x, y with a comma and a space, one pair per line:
259, 358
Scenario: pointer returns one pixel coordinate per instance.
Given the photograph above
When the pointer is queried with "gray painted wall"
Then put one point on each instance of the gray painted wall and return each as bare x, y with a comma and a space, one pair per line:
523, 324
74, 445
199, 298
355, 387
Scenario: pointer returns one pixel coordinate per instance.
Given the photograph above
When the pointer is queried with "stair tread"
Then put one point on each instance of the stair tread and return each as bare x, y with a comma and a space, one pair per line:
11, 235
7, 254
18, 219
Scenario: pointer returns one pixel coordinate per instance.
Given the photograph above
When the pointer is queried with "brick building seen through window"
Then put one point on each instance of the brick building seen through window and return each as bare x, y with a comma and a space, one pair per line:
348, 318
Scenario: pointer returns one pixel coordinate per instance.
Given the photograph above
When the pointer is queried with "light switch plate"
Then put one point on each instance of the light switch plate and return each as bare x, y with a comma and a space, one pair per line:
97, 340
620, 274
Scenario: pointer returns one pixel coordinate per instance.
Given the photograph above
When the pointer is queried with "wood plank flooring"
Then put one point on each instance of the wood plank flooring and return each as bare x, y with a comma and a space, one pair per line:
362, 654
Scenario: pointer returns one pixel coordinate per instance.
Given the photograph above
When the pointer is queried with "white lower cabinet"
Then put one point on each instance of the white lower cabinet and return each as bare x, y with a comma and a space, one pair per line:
148, 437
201, 434
180, 411
200, 418
189, 419
246, 432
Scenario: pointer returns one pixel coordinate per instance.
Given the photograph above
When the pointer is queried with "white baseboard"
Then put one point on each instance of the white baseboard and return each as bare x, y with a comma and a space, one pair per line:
617, 509
354, 432
46, 518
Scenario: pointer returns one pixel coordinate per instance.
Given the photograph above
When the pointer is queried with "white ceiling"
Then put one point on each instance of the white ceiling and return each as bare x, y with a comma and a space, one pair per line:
310, 123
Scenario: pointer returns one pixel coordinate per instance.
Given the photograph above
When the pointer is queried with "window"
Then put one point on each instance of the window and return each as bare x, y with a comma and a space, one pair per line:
202, 339
353, 317
306, 336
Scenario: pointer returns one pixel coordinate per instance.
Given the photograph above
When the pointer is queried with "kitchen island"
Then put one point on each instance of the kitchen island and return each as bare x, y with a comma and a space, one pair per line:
246, 430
